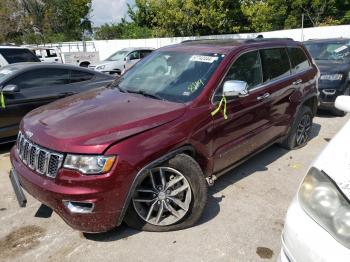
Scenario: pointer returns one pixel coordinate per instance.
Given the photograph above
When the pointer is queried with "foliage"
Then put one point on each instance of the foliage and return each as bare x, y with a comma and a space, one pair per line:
123, 30
188, 17
38, 21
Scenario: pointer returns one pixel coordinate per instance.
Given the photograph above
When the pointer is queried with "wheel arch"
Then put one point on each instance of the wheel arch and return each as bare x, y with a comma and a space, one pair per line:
186, 149
312, 103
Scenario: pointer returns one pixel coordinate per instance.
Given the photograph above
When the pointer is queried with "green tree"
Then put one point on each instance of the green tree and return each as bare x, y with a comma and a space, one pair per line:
258, 14
123, 30
188, 17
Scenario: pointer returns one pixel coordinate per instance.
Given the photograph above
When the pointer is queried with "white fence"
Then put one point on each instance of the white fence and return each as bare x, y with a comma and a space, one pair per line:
106, 48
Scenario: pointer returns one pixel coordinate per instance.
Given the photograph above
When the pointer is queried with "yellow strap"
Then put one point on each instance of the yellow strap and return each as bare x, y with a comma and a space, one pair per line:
217, 110
2, 100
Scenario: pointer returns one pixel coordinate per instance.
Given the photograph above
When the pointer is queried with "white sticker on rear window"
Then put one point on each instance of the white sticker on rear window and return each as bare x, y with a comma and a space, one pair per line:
203, 59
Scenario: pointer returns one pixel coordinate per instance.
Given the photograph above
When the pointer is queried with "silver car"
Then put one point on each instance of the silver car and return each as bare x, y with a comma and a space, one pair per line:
121, 60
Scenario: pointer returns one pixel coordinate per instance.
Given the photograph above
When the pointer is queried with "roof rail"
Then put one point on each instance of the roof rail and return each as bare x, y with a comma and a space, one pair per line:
243, 40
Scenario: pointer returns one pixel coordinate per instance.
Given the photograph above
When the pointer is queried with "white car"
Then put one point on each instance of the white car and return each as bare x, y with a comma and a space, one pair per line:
317, 226
121, 60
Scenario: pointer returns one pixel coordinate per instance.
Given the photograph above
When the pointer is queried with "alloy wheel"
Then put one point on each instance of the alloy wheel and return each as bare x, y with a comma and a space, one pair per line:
303, 130
163, 197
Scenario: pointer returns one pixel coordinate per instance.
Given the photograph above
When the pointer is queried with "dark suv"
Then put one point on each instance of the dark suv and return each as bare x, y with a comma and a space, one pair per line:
332, 56
145, 148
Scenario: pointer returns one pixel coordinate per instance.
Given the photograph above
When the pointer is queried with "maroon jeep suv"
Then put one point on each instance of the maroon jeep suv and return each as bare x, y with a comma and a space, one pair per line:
144, 149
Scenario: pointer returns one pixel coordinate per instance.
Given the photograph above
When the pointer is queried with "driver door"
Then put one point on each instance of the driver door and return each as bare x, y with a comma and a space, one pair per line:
246, 128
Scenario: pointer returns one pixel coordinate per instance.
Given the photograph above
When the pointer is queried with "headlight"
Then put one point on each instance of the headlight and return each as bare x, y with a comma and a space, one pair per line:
101, 67
323, 201
335, 77
89, 165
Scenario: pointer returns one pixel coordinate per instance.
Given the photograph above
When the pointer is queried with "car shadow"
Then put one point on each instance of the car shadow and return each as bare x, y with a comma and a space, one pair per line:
6, 148
325, 114
257, 163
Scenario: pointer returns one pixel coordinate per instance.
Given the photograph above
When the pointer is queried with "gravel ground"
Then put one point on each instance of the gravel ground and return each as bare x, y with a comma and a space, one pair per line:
243, 220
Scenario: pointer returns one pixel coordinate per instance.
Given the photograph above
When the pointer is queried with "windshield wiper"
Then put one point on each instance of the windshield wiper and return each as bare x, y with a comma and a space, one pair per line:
142, 92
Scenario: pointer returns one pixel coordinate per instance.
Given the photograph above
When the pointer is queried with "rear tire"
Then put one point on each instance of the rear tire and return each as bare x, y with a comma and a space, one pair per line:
167, 210
300, 131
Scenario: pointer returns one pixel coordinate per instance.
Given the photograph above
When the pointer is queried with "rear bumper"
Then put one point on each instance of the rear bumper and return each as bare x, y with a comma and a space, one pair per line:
303, 240
101, 192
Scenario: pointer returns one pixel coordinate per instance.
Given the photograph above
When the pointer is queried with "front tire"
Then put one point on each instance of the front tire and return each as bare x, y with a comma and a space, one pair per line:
169, 197
300, 131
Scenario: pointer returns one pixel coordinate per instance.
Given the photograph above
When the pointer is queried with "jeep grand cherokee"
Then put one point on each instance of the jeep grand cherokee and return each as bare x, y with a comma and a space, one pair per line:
143, 149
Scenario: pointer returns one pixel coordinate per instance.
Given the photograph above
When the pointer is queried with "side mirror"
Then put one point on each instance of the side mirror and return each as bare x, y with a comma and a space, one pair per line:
343, 103
235, 88
10, 89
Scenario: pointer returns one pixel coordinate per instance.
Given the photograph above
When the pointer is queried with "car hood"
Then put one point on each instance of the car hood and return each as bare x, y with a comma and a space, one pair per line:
333, 66
90, 122
335, 159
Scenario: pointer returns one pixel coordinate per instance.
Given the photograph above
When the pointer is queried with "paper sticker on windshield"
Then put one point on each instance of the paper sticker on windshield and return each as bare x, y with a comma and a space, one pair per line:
342, 48
203, 59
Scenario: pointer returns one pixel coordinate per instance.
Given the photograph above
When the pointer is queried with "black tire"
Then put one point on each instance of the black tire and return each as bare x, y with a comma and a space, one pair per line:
291, 142
190, 169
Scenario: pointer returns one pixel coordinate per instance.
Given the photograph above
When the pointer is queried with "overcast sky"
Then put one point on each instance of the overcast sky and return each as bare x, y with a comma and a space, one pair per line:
108, 11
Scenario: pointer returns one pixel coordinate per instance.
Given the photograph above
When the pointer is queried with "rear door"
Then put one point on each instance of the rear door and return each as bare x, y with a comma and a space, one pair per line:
37, 87
279, 86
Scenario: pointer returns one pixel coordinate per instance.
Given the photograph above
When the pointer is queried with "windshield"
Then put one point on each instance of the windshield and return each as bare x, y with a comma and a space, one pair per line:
117, 56
169, 75
330, 51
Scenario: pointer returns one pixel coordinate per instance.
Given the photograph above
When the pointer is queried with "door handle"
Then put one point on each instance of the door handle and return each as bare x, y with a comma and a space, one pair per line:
299, 81
263, 97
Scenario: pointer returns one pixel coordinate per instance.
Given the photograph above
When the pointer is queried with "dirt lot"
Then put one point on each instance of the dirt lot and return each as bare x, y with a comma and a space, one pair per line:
242, 222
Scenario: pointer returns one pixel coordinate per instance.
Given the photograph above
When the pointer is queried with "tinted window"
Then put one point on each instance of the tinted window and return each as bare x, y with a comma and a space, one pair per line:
79, 76
14, 55
145, 53
298, 59
246, 68
275, 63
42, 77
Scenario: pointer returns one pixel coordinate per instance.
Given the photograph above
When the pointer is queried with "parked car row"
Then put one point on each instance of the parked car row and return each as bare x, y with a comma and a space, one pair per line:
143, 148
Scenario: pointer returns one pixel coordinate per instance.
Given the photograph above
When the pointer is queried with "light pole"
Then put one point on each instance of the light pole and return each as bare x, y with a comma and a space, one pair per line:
302, 27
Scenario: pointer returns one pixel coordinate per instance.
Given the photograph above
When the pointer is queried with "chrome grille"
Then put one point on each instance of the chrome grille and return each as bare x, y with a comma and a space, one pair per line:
43, 161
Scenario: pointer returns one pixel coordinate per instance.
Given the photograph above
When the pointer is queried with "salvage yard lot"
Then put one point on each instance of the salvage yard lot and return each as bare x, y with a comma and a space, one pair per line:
242, 221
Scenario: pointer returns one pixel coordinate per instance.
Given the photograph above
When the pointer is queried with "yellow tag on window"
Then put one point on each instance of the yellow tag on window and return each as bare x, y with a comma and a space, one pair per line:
2, 100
